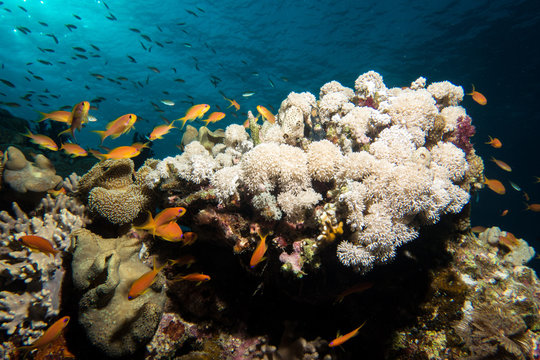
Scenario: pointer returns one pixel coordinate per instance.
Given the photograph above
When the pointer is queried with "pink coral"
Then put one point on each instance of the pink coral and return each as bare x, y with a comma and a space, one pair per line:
464, 131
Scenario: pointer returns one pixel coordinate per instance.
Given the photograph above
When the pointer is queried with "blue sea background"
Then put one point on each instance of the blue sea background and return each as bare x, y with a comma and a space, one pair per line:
274, 47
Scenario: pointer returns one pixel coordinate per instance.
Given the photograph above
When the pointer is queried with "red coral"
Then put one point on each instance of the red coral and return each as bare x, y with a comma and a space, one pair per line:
463, 133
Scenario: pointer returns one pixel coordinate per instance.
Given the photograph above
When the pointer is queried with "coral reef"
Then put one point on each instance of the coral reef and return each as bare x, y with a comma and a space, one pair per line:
385, 157
103, 271
31, 281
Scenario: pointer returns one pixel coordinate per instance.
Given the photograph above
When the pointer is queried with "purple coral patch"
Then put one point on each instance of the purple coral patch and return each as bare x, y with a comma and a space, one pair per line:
464, 131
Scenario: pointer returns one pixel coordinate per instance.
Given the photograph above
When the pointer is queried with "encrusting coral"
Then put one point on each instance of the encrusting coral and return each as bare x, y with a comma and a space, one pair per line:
383, 157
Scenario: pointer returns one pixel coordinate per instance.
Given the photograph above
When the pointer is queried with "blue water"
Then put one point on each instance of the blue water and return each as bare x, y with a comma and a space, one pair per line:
275, 47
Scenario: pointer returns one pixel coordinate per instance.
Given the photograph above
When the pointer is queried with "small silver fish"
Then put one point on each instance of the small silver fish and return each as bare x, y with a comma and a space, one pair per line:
514, 185
167, 102
248, 94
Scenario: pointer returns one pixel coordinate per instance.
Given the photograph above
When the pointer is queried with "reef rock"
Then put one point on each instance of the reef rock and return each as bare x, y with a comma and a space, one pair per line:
103, 271
24, 176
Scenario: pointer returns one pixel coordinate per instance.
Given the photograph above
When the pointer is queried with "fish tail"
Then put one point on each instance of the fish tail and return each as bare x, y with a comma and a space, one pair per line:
101, 134
65, 132
184, 120
44, 117
149, 224
206, 122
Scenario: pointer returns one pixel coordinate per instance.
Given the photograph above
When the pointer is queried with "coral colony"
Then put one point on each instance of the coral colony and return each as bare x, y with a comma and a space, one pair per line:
344, 180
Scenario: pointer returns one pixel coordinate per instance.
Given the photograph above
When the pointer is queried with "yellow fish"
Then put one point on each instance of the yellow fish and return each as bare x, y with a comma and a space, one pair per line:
266, 114
258, 254
50, 334
121, 152
144, 282
43, 141
73, 150
161, 130
118, 127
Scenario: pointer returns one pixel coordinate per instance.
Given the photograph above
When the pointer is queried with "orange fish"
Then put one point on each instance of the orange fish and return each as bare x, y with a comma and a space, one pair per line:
360, 287
505, 212
266, 114
214, 117
164, 217
478, 97
170, 232
258, 254
117, 127
73, 150
60, 116
79, 116
526, 196
144, 282
495, 185
169, 214
161, 130
501, 164
496, 143
533, 207
39, 243
509, 240
233, 103
121, 152
49, 335
194, 112
194, 277
56, 193
189, 238
184, 260
139, 146
478, 229
43, 141
341, 339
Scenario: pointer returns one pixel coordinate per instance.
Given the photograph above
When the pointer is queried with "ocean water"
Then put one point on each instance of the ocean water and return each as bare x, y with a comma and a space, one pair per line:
206, 49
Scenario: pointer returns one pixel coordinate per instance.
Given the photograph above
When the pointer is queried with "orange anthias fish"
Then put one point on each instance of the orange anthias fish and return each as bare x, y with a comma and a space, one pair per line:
164, 217
43, 141
118, 127
60, 116
258, 254
194, 277
360, 287
184, 260
504, 212
50, 334
194, 112
501, 164
509, 240
170, 232
478, 229
144, 282
266, 114
39, 243
533, 207
495, 185
73, 150
56, 193
214, 117
233, 103
79, 116
189, 238
478, 97
343, 338
496, 143
161, 130
121, 152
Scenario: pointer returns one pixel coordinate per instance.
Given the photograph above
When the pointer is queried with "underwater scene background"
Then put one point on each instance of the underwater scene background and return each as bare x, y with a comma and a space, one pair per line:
158, 59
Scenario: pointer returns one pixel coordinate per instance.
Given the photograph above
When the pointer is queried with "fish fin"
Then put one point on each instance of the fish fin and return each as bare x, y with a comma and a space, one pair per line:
65, 132
97, 154
101, 134
472, 92
45, 116
184, 120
